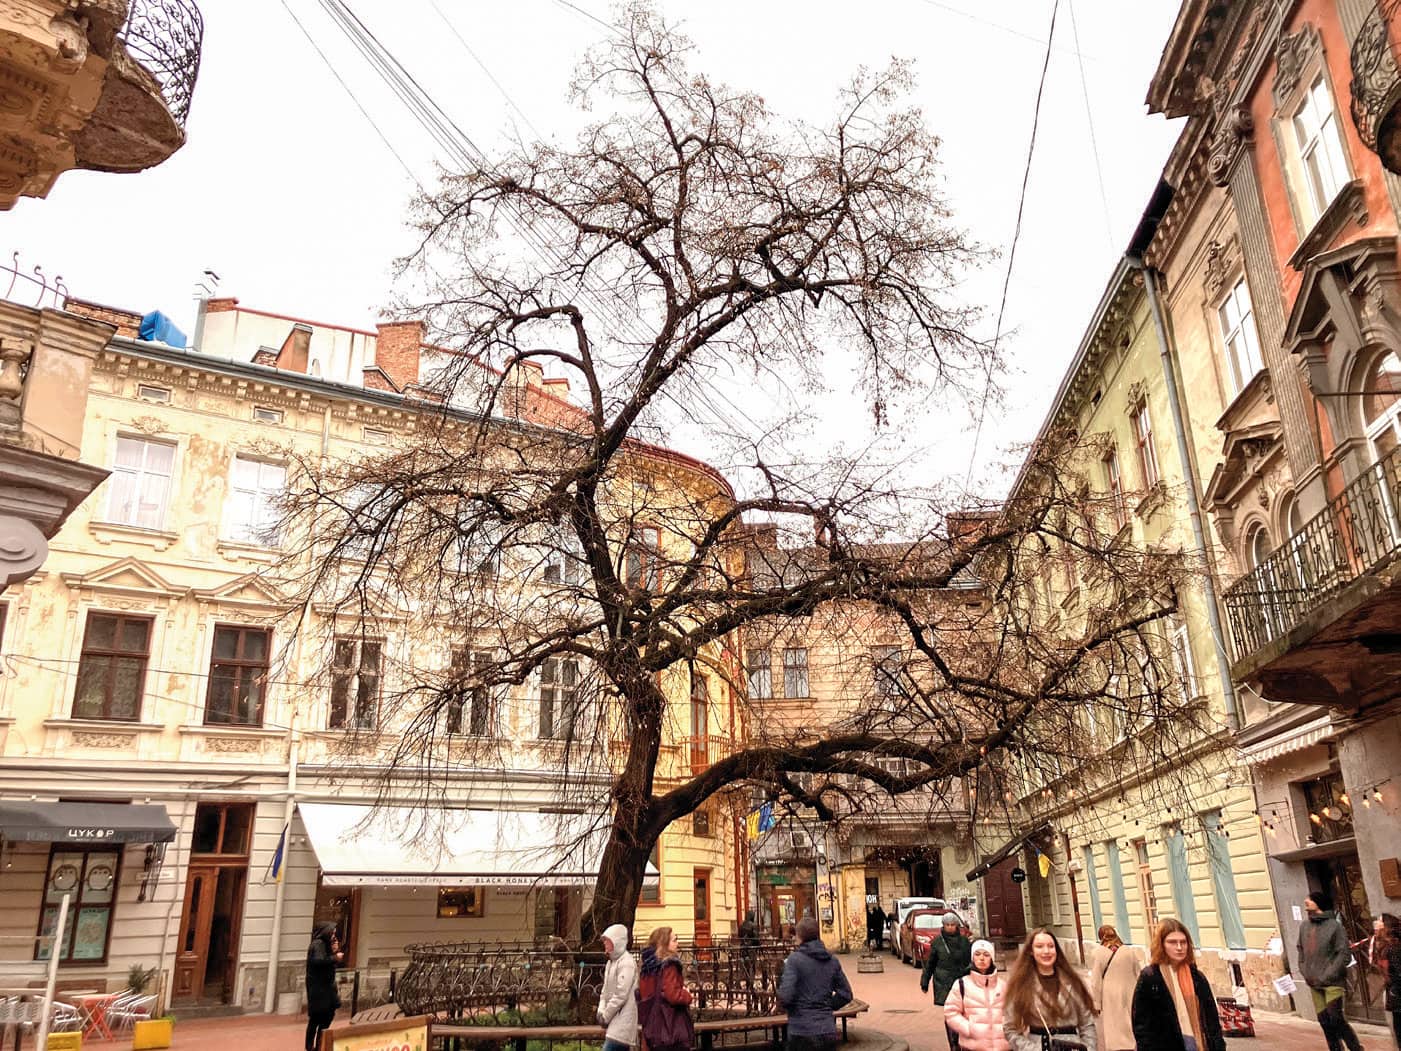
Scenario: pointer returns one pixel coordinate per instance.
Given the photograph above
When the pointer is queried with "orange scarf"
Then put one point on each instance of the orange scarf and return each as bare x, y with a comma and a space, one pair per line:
1188, 990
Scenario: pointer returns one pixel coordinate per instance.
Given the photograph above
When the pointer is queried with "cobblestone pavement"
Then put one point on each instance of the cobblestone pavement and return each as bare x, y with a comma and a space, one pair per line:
900, 1009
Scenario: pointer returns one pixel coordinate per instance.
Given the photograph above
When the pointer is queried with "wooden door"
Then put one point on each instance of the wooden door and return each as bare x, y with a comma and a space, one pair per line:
1003, 898
196, 921
700, 906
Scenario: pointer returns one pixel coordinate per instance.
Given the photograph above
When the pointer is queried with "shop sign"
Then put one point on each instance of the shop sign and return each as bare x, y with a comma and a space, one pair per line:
401, 1034
1019, 875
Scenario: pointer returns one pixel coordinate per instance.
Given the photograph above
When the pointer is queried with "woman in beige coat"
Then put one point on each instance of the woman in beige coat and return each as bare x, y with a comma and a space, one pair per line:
1114, 971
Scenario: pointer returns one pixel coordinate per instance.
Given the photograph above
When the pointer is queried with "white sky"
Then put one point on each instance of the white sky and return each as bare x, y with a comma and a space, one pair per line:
287, 193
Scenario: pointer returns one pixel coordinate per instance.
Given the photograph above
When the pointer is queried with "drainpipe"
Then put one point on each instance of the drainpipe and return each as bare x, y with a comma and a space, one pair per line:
280, 894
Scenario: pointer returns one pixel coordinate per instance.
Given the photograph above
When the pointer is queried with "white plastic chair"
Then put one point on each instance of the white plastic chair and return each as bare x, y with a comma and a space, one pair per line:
125, 1014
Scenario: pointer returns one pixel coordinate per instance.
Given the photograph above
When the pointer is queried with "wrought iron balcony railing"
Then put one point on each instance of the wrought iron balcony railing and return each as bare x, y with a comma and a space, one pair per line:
1358, 531
165, 37
1376, 85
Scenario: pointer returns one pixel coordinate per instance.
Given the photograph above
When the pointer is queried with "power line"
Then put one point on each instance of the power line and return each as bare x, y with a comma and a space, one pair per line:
1090, 119
1016, 235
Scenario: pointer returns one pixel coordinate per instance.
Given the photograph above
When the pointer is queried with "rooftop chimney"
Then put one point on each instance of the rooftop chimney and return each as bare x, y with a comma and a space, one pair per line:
296, 348
397, 351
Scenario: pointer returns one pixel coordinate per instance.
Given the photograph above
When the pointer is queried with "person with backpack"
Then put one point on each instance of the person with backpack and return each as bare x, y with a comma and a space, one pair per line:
1324, 957
662, 997
617, 1000
812, 988
1114, 971
950, 957
973, 1009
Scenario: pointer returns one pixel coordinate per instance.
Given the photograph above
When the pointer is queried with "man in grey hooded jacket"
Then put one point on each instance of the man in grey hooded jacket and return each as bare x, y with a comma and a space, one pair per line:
617, 1000
1324, 958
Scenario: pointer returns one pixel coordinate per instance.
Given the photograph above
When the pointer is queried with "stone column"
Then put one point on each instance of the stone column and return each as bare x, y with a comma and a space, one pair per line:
1231, 165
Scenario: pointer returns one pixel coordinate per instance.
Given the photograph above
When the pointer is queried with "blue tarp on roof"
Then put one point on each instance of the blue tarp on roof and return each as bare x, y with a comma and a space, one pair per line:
157, 328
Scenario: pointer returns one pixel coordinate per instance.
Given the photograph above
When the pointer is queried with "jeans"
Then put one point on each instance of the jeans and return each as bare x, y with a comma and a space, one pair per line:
812, 1043
317, 1022
615, 1045
1337, 1030
1189, 1043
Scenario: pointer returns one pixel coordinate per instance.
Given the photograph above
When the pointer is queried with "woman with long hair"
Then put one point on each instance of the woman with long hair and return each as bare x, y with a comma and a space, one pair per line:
1173, 1008
1388, 960
662, 996
1114, 971
1048, 1007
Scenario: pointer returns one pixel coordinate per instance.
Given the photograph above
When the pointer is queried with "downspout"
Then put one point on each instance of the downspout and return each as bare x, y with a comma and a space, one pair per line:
280, 894
1147, 227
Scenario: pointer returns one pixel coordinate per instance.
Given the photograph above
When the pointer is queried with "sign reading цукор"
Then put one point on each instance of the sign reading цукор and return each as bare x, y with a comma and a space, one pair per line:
401, 1034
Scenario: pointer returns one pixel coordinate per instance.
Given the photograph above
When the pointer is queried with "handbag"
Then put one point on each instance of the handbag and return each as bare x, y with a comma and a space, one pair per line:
1056, 1040
664, 1025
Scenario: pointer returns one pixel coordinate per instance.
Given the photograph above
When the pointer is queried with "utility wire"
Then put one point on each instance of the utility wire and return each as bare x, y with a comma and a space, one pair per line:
1016, 234
1090, 119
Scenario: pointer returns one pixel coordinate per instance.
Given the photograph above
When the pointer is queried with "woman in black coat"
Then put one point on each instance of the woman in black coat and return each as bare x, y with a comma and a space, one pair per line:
322, 999
1160, 1008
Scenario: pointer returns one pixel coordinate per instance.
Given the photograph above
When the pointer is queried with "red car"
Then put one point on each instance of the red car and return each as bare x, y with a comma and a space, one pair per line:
920, 928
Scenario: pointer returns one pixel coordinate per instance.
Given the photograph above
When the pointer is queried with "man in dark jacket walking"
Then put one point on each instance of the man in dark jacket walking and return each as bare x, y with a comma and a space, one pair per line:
1323, 960
813, 986
950, 958
875, 927
322, 999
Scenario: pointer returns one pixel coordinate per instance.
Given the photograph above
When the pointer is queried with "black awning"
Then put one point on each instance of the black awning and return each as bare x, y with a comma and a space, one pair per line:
84, 823
1011, 846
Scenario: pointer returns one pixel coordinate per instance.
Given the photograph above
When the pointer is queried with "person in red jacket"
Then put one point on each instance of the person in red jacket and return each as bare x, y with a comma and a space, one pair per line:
662, 996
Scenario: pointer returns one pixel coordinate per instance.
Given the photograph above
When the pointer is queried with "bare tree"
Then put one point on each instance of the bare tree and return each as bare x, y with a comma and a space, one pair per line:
558, 543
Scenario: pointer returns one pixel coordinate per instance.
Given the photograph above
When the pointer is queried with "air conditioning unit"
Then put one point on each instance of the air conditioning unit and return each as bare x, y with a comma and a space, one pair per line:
801, 840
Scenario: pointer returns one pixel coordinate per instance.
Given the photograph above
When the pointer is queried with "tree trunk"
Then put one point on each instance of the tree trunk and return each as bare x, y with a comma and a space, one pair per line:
619, 883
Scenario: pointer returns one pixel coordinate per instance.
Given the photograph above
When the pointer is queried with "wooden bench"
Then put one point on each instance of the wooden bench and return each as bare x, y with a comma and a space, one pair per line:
382, 1013
705, 1031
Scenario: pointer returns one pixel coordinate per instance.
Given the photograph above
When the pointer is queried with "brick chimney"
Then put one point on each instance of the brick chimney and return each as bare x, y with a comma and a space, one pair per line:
397, 351
218, 306
295, 351
515, 391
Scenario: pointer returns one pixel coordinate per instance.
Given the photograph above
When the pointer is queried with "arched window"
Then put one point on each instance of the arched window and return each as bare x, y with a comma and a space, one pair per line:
1291, 518
1381, 404
1257, 546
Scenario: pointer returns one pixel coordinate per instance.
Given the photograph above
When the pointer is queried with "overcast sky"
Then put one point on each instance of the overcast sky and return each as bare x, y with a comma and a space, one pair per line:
286, 191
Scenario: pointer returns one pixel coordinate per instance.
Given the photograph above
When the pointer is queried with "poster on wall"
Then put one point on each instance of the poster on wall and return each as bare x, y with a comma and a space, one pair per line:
401, 1034
90, 933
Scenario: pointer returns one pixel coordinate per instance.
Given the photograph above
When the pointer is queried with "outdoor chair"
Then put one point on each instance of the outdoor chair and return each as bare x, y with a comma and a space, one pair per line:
125, 1013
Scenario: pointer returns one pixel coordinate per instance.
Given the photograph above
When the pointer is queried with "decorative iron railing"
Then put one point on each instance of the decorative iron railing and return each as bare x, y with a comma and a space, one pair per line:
1358, 531
165, 37
1376, 82
483, 984
30, 285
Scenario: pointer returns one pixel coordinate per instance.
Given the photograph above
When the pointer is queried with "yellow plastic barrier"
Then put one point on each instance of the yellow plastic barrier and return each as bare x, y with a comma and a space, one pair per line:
153, 1034
65, 1042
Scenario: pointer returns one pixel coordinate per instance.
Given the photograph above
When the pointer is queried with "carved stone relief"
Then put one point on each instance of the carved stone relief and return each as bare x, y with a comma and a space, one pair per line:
1222, 261
1235, 130
92, 739
226, 745
1296, 52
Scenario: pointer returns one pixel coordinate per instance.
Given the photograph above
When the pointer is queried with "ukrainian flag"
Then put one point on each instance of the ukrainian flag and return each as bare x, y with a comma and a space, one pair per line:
275, 869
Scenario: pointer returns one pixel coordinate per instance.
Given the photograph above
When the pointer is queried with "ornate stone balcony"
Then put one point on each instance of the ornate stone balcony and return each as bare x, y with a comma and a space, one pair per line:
103, 85
1376, 84
1319, 621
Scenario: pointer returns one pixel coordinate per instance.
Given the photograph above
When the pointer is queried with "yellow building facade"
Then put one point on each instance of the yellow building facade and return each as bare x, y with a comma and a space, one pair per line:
190, 772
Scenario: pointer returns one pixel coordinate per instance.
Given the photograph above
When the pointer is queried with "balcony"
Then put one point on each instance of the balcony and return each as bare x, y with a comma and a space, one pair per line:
103, 85
1319, 621
704, 751
1376, 84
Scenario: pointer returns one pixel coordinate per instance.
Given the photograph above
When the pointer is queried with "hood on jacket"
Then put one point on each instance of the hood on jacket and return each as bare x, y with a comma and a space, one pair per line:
652, 963
324, 932
814, 949
618, 935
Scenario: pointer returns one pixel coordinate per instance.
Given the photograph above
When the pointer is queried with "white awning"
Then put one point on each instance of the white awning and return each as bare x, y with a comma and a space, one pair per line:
1295, 740
365, 846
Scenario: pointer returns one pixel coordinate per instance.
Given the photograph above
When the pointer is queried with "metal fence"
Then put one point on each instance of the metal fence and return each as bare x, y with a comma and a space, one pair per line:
165, 37
477, 983
1356, 533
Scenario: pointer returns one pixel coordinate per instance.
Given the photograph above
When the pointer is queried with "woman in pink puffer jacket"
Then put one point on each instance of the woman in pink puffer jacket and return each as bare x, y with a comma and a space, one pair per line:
974, 1007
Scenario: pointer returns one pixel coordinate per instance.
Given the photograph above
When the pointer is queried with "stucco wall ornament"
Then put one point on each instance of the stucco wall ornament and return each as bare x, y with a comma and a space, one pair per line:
232, 744
22, 550
1296, 52
1220, 264
89, 739
148, 425
1235, 130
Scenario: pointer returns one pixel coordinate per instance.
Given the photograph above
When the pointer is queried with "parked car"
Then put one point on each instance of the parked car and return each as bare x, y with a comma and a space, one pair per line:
902, 908
920, 928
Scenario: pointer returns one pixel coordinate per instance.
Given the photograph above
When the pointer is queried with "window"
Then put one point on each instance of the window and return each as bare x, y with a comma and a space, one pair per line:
479, 542
1147, 454
652, 890
472, 701
1092, 882
1116, 882
888, 665
222, 828
1147, 897
1381, 405
255, 486
1181, 878
266, 415
1223, 881
140, 484
701, 824
1182, 659
1257, 546
642, 558
148, 392
112, 668
355, 675
460, 902
564, 563
758, 665
1241, 339
238, 676
795, 672
559, 698
90, 877
1320, 149
1114, 481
